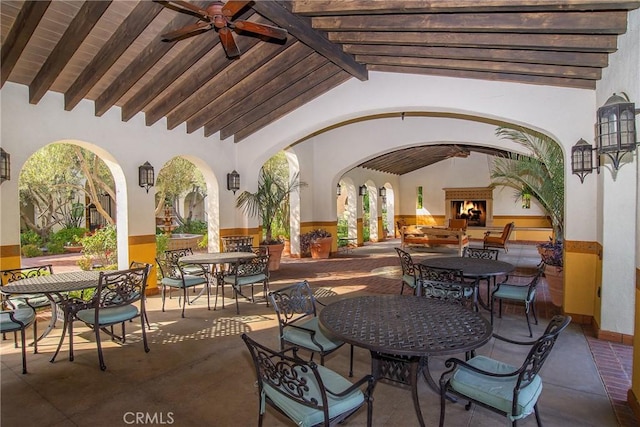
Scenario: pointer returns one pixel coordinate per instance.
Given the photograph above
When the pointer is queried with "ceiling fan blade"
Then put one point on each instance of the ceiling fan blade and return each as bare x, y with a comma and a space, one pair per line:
228, 43
265, 30
232, 7
194, 28
185, 6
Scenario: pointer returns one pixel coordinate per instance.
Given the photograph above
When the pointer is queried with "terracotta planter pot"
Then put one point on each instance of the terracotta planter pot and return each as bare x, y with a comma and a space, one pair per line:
321, 248
554, 277
275, 254
287, 248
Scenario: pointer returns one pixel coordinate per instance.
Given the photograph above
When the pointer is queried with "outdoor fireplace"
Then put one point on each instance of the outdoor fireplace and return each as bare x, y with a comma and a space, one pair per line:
475, 204
474, 211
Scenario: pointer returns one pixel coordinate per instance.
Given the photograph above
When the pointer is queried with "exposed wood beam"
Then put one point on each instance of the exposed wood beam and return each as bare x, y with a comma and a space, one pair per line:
300, 28
243, 93
556, 23
264, 93
122, 38
149, 56
290, 92
325, 86
470, 74
169, 74
80, 26
21, 31
201, 104
559, 42
489, 66
355, 7
581, 59
215, 62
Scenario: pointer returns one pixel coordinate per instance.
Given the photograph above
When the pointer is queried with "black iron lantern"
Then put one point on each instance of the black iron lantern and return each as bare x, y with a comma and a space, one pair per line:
338, 189
145, 176
362, 190
582, 159
616, 128
5, 166
382, 192
233, 181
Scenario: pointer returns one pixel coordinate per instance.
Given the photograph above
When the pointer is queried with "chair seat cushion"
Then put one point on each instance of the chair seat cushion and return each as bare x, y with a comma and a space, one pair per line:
24, 315
109, 315
245, 280
188, 282
306, 416
512, 292
494, 240
409, 280
302, 338
496, 392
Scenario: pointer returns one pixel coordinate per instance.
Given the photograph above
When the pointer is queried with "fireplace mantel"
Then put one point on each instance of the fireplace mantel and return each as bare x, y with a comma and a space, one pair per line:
469, 193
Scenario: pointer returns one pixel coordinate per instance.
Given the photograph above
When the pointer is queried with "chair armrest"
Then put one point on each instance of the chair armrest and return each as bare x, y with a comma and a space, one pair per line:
453, 362
366, 379
311, 332
511, 341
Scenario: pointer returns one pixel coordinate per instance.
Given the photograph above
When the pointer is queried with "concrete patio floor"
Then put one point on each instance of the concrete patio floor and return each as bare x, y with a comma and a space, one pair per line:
199, 372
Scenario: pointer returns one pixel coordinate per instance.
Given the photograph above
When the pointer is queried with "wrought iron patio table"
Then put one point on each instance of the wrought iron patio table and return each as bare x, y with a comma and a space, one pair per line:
402, 331
215, 259
474, 268
55, 287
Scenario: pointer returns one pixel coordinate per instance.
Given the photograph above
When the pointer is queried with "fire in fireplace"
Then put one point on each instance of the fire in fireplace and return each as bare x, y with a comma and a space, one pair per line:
474, 211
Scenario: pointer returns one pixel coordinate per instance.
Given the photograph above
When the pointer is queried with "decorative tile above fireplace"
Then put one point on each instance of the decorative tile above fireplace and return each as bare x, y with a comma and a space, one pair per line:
473, 203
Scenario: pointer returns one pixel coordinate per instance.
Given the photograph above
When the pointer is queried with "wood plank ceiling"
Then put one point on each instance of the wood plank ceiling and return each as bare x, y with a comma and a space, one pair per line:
112, 53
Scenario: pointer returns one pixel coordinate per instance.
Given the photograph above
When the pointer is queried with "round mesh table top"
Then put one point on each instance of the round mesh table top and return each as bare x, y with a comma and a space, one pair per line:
471, 267
405, 325
59, 282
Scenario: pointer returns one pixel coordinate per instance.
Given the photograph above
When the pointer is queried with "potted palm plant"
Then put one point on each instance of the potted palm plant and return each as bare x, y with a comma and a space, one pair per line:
540, 175
269, 202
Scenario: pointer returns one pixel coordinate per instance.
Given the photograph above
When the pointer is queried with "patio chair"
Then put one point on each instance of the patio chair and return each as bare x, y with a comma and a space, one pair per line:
176, 254
425, 273
114, 302
17, 319
408, 270
298, 324
248, 272
508, 390
175, 276
36, 301
136, 264
481, 253
237, 243
518, 293
501, 240
306, 393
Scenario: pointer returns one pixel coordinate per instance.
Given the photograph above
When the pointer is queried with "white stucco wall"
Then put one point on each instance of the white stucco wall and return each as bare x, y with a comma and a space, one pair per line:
618, 218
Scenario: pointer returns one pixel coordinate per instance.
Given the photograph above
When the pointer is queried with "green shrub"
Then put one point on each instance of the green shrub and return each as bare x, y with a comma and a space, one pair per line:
68, 236
102, 246
55, 248
204, 242
30, 251
30, 237
162, 243
192, 227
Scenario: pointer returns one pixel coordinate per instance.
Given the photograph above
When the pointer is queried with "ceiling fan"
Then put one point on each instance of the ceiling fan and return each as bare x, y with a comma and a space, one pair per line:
219, 16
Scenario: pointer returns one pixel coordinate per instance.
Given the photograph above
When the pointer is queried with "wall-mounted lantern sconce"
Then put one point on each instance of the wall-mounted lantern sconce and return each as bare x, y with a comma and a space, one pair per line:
5, 166
146, 176
338, 190
382, 192
362, 190
582, 159
615, 132
233, 181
